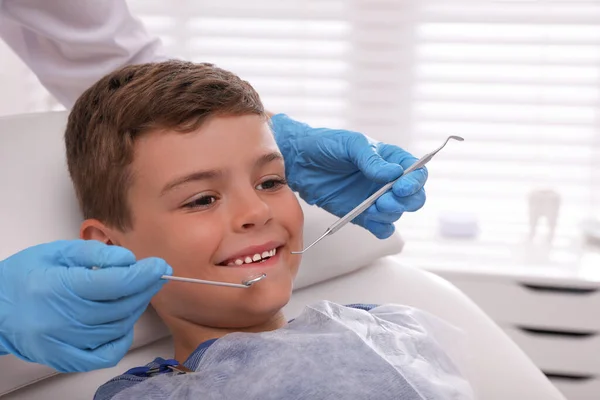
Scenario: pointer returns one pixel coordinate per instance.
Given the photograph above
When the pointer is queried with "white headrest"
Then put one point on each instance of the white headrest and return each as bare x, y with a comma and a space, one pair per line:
38, 205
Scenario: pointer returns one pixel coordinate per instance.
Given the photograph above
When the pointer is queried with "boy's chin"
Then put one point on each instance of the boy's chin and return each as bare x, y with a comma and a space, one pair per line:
268, 304
261, 310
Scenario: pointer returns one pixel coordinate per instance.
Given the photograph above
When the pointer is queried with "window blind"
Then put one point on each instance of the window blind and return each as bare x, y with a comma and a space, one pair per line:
520, 80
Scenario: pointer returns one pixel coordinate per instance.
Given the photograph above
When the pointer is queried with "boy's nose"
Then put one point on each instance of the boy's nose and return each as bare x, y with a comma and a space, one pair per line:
250, 211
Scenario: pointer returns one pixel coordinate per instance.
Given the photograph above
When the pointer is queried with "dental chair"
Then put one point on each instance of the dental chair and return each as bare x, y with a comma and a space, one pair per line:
38, 205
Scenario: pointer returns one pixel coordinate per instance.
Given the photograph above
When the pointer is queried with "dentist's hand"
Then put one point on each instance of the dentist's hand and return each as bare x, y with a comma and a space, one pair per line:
338, 169
55, 310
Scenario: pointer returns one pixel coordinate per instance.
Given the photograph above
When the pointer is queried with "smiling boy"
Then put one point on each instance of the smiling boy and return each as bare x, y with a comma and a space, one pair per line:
177, 160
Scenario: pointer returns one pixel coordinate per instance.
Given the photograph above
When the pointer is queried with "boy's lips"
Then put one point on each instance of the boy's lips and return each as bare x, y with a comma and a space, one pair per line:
252, 255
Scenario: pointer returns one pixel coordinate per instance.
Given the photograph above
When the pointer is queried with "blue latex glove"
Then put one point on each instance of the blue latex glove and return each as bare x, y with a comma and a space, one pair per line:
57, 312
338, 169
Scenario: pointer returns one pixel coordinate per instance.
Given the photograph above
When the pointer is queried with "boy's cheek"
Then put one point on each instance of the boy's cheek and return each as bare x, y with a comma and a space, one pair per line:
293, 212
299, 224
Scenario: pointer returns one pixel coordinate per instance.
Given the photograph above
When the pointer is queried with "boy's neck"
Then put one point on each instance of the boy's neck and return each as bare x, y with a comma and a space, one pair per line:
187, 336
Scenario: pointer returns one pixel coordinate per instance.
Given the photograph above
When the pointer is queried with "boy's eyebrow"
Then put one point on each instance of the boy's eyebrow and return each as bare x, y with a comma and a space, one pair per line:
269, 157
194, 176
213, 173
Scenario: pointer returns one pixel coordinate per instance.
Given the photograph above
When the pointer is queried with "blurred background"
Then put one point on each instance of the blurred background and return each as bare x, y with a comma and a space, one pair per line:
519, 80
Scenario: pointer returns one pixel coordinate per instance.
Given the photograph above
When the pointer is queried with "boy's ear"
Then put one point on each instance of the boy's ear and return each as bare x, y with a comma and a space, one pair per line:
92, 229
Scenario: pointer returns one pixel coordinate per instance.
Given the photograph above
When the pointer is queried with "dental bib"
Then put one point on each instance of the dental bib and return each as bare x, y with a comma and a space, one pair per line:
329, 352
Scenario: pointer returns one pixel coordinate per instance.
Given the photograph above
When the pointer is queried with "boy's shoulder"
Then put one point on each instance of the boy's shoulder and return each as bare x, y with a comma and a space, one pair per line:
161, 366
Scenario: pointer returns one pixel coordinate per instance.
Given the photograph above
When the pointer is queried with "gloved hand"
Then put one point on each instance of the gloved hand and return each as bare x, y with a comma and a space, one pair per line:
57, 312
338, 169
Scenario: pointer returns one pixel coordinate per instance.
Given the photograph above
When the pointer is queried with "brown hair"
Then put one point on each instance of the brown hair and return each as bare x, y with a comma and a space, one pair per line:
108, 117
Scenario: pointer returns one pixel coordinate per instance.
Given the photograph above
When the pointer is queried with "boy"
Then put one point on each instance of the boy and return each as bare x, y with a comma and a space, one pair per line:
176, 160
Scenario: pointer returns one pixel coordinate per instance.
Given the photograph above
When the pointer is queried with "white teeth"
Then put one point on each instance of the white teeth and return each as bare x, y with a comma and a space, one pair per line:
256, 257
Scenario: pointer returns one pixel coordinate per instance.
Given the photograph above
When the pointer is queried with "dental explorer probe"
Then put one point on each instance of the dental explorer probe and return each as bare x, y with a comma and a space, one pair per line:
336, 226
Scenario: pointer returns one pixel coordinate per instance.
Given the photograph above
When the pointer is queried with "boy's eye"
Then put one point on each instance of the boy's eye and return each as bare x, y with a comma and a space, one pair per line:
203, 201
271, 184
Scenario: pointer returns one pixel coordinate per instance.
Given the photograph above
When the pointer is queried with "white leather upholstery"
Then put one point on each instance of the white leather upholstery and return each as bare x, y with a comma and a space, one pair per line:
38, 205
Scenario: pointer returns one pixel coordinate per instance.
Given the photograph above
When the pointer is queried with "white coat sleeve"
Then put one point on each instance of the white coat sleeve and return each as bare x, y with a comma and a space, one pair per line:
71, 44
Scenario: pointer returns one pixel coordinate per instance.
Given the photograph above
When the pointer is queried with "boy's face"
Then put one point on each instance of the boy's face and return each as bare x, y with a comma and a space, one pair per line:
206, 201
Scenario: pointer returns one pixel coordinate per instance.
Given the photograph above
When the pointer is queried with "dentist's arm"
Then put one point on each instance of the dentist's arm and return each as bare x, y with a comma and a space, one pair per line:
71, 44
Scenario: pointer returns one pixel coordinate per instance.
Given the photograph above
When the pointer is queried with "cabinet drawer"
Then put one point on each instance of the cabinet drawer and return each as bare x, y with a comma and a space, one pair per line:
566, 354
586, 389
514, 303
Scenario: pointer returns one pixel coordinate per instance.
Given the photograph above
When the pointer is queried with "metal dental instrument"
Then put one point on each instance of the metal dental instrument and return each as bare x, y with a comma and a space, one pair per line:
336, 226
245, 284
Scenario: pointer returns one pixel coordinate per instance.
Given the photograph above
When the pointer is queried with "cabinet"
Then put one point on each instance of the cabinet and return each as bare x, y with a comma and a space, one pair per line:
551, 311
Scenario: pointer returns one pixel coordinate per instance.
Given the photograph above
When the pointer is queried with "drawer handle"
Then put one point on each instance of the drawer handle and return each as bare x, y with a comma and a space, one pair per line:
558, 289
568, 377
554, 332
